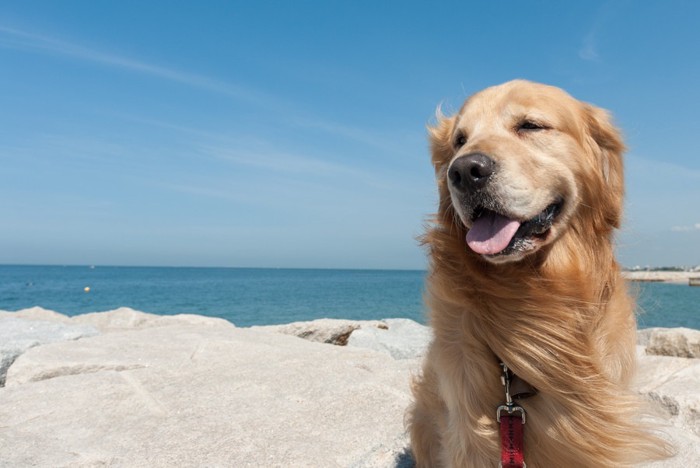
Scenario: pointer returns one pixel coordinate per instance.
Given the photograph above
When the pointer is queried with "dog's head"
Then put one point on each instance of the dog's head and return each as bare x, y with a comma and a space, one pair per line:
521, 163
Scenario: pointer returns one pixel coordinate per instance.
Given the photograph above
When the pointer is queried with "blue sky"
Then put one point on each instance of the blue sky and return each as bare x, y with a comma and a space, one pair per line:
292, 134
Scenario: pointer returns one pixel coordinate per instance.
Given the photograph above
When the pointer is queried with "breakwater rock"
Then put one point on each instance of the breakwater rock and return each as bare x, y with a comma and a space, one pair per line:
125, 388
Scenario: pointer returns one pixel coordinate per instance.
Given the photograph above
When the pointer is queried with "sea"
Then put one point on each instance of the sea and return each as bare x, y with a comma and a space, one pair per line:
263, 296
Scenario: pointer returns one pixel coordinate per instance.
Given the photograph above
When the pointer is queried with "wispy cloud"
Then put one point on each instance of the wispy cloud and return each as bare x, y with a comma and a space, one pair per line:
251, 151
356, 134
16, 39
588, 50
207, 191
694, 227
348, 132
659, 172
288, 163
659, 195
278, 161
12, 38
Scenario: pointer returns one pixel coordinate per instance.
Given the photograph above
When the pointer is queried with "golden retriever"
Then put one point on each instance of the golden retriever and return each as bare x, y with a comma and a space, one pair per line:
522, 272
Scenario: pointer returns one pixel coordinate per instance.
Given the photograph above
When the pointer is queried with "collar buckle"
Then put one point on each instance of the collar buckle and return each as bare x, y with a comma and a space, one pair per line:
511, 410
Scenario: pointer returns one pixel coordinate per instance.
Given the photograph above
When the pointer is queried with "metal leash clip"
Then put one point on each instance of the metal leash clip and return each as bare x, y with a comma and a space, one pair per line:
510, 407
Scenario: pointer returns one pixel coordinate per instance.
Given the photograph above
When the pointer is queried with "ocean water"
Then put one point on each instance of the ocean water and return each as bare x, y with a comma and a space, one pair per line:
249, 296
244, 296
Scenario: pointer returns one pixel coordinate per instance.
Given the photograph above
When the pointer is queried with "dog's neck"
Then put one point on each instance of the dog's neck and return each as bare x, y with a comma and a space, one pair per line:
553, 300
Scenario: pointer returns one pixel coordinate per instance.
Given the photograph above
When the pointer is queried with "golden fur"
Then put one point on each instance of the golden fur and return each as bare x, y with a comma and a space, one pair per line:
558, 313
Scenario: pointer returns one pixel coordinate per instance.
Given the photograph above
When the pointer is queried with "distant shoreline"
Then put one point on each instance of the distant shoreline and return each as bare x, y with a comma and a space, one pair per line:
678, 277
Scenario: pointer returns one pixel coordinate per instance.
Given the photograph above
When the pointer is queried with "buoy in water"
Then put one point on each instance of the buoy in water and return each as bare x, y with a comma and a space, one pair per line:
87, 289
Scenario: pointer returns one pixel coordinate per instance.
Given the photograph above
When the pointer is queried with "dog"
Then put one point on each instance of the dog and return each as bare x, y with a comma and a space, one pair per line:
523, 283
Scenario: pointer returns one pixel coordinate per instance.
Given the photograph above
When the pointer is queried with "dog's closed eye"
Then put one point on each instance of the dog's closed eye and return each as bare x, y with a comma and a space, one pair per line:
528, 125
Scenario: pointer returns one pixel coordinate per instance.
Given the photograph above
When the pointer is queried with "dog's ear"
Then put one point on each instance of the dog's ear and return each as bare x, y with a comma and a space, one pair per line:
442, 151
440, 139
605, 142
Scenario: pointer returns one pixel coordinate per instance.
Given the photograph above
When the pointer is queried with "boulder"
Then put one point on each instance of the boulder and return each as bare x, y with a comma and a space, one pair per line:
331, 331
203, 395
194, 391
36, 326
125, 318
35, 313
401, 338
672, 383
643, 336
681, 342
17, 335
687, 448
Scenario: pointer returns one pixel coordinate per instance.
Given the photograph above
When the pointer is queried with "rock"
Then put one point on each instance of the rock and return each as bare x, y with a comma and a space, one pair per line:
194, 391
123, 318
687, 447
401, 339
8, 355
35, 313
681, 342
643, 336
126, 318
331, 331
36, 326
672, 383
203, 395
18, 335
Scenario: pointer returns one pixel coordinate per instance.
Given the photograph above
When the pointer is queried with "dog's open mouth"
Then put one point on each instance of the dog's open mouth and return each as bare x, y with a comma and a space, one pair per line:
493, 233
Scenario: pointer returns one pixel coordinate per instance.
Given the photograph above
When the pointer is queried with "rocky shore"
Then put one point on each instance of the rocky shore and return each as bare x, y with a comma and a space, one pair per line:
125, 388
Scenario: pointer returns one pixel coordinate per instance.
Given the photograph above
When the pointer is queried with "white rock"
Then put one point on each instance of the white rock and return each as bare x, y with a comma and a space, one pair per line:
402, 338
687, 447
18, 335
126, 318
331, 331
202, 395
193, 391
673, 384
35, 313
681, 342
643, 336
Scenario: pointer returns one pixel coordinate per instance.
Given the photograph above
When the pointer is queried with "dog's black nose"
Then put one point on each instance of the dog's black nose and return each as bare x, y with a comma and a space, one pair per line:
471, 172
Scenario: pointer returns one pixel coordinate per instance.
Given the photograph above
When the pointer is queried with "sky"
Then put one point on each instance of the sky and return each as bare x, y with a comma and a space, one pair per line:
293, 134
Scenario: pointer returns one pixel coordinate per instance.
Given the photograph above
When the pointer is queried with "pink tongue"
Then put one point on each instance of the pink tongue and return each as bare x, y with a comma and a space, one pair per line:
491, 233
